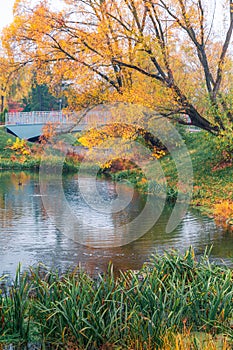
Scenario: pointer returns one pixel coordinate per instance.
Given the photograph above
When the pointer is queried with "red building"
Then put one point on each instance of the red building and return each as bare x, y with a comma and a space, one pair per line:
14, 106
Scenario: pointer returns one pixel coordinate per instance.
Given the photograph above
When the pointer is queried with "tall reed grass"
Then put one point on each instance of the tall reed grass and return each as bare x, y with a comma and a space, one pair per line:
173, 302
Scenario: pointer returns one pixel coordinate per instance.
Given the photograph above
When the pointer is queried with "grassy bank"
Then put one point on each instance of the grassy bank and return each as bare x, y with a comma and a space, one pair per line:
174, 302
8, 157
212, 180
27, 156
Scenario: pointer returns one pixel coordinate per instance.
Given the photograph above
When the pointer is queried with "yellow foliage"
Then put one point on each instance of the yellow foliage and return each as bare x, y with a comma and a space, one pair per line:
107, 165
223, 211
92, 138
95, 137
157, 153
20, 147
13, 82
125, 51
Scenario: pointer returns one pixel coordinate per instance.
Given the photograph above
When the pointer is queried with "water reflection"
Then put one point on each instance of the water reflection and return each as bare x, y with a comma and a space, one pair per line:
27, 234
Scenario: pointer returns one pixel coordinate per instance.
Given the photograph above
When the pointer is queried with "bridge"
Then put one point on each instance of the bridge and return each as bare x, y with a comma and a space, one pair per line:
29, 125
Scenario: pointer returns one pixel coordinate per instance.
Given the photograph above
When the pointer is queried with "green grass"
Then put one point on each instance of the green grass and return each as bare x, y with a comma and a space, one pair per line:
32, 162
4, 137
212, 178
136, 310
211, 183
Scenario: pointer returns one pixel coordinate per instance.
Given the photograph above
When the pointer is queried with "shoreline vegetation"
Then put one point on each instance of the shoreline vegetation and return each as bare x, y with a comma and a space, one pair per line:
173, 302
212, 181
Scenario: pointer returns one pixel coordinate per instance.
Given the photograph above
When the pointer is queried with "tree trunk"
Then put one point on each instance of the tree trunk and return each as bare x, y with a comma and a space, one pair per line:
2, 103
199, 121
196, 118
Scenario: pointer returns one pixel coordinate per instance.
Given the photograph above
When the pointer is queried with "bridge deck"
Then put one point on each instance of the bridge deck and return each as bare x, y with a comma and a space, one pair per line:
26, 131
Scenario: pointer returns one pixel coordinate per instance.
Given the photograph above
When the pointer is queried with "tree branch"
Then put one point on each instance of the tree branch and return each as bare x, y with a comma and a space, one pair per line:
223, 53
132, 66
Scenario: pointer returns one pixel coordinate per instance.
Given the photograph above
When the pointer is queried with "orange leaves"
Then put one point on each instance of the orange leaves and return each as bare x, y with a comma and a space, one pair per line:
157, 54
16, 6
223, 211
49, 130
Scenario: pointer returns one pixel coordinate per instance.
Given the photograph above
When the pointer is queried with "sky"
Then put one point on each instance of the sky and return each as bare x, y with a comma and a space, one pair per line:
6, 7
6, 14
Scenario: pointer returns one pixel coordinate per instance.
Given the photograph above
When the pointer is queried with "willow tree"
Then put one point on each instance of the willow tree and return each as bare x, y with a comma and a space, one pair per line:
160, 51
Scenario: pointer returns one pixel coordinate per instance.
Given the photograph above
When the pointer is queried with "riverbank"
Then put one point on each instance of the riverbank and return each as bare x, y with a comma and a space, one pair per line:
173, 302
16, 154
212, 178
212, 182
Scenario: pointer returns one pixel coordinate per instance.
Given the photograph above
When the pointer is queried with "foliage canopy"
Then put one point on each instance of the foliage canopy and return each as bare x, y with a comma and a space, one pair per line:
162, 54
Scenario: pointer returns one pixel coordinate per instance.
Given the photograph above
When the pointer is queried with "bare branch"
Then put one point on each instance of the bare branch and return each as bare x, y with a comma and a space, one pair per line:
223, 53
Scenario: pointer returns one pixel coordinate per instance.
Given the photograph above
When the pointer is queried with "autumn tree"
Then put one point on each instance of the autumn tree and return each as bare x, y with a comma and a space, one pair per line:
3, 83
15, 81
7, 79
163, 54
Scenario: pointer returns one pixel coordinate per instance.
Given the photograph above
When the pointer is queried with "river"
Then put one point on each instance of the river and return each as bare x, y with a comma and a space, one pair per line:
29, 236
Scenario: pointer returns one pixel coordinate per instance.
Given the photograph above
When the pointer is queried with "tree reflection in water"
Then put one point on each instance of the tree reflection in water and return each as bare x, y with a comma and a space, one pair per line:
29, 236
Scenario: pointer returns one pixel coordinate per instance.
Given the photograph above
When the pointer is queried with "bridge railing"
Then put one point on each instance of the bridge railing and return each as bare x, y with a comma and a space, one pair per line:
37, 117
59, 117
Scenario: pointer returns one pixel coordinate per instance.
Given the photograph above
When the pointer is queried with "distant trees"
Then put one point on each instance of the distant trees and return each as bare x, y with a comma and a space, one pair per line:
40, 99
162, 54
19, 84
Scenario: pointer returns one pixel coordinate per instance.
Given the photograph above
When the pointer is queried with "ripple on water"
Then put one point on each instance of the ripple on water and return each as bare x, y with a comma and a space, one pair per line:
29, 236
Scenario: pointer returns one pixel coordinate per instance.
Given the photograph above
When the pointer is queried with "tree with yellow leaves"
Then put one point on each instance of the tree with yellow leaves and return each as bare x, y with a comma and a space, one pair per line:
6, 80
161, 54
15, 81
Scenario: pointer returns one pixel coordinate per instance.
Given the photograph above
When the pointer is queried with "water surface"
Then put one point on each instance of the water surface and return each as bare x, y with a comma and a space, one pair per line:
28, 235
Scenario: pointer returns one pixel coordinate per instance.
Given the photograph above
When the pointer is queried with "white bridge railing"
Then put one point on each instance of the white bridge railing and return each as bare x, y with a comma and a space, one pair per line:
22, 118
95, 117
